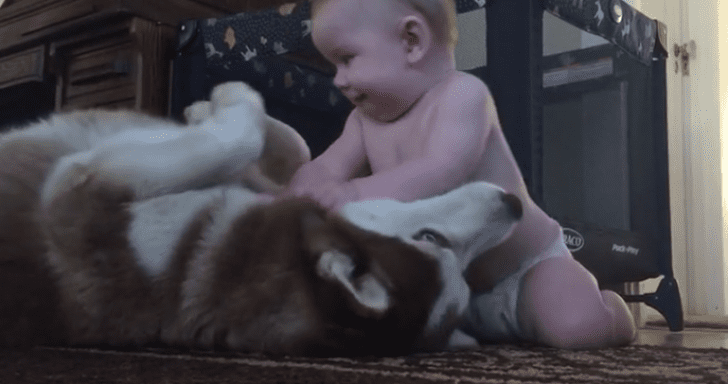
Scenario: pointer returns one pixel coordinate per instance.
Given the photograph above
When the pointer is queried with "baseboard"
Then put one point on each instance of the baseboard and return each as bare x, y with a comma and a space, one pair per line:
694, 321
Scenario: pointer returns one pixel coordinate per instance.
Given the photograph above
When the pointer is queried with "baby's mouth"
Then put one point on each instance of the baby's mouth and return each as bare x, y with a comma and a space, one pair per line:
359, 99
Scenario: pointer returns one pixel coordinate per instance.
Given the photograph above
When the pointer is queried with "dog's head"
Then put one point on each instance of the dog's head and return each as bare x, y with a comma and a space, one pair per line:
378, 277
467, 221
407, 265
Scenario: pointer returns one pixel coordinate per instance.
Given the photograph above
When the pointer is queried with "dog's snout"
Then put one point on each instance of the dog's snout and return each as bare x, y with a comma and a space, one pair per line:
514, 204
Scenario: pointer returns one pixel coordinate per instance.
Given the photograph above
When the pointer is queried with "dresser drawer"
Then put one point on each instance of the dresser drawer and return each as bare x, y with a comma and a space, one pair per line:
99, 67
23, 67
124, 64
25, 20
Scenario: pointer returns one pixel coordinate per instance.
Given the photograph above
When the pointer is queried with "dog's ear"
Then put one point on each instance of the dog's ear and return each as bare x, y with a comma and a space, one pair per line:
317, 236
367, 295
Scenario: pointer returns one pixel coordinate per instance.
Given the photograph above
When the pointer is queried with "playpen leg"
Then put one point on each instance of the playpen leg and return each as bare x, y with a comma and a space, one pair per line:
665, 300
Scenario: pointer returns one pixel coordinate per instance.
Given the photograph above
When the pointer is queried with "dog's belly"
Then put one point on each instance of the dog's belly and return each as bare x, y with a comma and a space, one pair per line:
158, 223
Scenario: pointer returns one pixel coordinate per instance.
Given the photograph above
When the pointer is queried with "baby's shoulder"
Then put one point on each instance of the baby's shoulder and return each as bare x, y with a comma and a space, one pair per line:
472, 82
464, 87
465, 92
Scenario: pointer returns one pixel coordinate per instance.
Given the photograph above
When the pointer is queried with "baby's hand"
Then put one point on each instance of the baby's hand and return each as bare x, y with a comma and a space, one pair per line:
307, 179
333, 196
315, 181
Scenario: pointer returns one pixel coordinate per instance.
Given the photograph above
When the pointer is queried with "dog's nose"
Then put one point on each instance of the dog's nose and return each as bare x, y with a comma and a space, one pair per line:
514, 204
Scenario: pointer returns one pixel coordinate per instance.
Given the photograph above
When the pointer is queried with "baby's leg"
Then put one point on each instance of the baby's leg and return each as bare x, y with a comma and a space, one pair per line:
560, 304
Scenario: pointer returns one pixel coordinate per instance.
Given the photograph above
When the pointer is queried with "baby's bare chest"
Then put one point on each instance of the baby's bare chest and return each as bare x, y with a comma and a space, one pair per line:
389, 145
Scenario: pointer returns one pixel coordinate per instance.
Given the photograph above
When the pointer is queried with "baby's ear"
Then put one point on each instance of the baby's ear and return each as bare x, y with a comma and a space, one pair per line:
416, 37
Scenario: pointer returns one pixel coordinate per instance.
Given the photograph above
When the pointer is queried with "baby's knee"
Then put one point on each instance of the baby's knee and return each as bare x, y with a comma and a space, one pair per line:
571, 312
576, 329
625, 328
601, 323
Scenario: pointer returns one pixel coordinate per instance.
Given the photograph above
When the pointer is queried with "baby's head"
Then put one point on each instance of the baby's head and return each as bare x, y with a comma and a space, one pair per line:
439, 14
442, 17
387, 52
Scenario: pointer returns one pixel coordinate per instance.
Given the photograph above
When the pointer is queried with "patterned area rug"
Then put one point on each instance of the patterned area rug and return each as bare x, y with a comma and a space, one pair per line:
490, 364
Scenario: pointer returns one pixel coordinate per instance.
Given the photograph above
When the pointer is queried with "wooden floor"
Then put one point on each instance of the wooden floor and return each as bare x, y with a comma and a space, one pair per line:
689, 337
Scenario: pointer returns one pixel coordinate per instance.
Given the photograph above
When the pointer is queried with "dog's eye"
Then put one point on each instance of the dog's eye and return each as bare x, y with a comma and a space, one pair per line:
433, 237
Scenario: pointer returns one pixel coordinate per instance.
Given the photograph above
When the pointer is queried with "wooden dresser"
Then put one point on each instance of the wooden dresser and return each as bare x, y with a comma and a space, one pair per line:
59, 55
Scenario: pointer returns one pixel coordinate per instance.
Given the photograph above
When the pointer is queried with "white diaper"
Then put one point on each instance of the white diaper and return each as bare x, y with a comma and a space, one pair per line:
491, 316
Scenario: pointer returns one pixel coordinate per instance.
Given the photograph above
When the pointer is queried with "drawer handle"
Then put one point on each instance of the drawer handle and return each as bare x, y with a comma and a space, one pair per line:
117, 68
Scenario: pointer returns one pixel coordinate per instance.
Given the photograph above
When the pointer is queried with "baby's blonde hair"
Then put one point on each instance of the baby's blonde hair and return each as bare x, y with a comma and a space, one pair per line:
440, 14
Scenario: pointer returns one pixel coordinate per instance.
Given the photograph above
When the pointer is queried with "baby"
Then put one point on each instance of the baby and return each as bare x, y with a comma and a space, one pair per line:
424, 128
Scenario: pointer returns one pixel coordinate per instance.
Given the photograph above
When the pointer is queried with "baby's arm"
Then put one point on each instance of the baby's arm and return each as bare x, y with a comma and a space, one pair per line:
336, 165
458, 137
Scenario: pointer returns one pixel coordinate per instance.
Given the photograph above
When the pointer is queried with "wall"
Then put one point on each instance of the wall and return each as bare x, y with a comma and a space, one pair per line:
701, 213
471, 51
704, 140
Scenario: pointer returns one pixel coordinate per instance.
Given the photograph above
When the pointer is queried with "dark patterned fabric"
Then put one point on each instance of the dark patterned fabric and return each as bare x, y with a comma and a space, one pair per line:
268, 32
490, 364
274, 31
271, 50
469, 5
635, 32
241, 43
247, 44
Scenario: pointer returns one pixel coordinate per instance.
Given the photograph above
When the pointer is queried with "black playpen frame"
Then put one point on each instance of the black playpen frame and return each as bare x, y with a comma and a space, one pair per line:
515, 77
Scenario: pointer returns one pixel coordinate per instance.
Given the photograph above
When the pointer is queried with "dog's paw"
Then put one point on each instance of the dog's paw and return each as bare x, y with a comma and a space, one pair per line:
70, 172
461, 340
233, 94
237, 121
196, 113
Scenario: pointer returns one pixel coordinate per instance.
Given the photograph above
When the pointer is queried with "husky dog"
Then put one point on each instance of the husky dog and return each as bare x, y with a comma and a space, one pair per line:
125, 230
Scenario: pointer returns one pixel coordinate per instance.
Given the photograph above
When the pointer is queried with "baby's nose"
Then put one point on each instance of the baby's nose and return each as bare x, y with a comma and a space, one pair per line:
340, 80
514, 204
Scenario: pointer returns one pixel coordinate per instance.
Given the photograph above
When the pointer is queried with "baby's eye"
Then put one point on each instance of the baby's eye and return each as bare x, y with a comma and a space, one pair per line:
346, 59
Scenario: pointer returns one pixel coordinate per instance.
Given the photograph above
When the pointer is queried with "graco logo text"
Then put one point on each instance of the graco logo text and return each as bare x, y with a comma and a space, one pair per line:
573, 239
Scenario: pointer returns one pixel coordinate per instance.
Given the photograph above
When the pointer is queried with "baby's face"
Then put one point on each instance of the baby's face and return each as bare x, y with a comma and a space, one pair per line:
371, 65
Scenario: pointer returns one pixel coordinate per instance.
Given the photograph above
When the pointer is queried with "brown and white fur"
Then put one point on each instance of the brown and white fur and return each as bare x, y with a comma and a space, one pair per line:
125, 230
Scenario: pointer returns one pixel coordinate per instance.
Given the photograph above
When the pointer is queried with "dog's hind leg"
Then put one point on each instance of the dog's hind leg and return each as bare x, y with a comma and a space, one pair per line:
28, 294
105, 296
166, 158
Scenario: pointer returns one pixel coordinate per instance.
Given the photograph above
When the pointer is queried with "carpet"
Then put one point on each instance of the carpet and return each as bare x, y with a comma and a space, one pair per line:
513, 364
